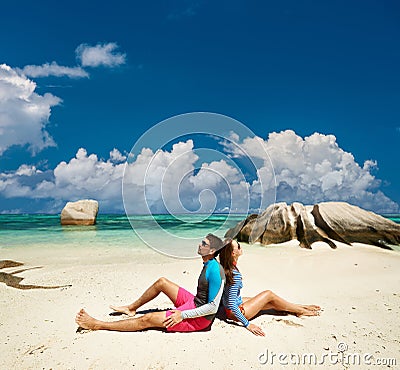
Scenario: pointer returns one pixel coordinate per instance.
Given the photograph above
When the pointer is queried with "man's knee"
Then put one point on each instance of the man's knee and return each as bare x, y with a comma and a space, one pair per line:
146, 319
152, 319
162, 282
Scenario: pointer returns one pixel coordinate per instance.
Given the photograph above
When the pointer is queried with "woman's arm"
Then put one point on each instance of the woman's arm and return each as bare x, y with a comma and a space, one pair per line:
233, 293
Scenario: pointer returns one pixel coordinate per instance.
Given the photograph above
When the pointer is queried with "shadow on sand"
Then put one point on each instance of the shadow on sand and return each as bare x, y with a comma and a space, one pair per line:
15, 281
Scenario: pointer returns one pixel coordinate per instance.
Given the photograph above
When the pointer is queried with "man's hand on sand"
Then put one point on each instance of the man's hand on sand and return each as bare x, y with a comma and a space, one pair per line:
256, 330
174, 319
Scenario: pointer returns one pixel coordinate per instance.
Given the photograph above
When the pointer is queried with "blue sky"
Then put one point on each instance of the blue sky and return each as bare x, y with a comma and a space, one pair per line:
330, 68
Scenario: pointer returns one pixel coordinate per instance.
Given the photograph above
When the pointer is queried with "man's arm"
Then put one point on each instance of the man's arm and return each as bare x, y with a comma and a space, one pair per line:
210, 308
215, 290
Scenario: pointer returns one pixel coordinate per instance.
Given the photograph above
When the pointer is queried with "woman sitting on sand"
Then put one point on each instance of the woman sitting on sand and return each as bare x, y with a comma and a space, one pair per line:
243, 309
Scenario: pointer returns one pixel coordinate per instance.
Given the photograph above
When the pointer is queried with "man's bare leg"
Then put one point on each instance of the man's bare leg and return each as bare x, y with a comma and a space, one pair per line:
161, 285
150, 320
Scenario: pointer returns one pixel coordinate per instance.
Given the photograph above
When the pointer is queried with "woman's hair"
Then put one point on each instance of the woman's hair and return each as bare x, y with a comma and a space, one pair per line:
227, 261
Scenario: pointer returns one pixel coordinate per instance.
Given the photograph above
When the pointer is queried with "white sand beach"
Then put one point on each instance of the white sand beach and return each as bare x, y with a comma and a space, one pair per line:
358, 288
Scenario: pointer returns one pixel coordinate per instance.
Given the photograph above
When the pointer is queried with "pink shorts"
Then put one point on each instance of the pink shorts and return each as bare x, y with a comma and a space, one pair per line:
185, 301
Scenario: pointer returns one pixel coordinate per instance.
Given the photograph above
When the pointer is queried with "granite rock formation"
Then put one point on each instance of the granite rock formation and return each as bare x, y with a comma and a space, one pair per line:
328, 222
82, 212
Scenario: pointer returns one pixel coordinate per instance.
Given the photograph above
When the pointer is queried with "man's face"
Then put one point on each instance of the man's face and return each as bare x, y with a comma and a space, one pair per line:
204, 247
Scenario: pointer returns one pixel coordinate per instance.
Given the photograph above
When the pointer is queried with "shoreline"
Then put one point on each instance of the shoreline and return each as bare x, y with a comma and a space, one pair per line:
356, 286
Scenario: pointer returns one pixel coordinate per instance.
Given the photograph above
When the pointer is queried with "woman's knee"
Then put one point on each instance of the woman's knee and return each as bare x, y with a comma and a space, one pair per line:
268, 295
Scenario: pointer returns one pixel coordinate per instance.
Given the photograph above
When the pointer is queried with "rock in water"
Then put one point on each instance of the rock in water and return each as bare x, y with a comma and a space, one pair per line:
327, 222
82, 212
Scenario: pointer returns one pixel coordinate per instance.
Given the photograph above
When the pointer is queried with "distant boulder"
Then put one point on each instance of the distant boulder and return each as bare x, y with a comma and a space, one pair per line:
82, 212
327, 222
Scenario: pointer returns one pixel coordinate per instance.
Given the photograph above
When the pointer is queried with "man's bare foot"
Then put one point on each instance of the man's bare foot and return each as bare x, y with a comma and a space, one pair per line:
124, 309
85, 321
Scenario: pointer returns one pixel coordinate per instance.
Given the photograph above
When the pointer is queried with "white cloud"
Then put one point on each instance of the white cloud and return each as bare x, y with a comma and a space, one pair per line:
226, 182
171, 181
165, 178
116, 156
53, 69
89, 56
100, 55
25, 170
308, 170
24, 114
85, 176
316, 169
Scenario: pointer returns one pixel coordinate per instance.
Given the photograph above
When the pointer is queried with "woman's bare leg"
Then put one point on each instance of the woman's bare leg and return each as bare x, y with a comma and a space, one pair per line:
161, 285
268, 300
150, 320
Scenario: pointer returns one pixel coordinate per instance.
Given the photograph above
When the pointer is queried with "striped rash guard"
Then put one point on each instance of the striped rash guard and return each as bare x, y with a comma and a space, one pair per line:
209, 291
232, 299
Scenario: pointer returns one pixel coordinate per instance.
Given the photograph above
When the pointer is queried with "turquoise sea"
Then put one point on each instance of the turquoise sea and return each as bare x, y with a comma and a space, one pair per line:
165, 233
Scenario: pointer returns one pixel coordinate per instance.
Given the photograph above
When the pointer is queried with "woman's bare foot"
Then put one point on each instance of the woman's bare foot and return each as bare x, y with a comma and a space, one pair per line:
306, 312
85, 321
311, 307
124, 309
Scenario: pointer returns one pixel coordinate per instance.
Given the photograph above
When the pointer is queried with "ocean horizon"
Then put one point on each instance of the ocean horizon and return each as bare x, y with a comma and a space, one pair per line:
115, 230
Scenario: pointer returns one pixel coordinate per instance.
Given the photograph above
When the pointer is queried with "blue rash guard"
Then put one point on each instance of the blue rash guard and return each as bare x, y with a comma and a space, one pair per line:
232, 299
209, 291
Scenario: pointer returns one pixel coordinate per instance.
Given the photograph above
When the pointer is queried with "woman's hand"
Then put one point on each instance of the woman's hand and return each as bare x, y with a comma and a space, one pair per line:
256, 330
173, 319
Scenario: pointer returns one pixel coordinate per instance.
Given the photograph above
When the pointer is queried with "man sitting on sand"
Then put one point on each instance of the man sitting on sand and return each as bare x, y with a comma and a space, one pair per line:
192, 313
